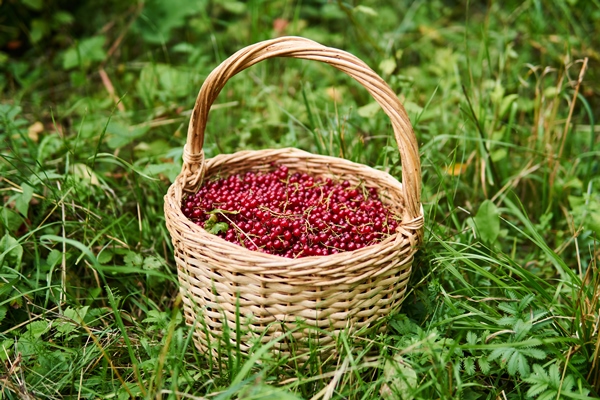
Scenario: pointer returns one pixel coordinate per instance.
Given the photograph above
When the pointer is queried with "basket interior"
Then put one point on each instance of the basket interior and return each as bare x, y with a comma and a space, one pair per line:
390, 190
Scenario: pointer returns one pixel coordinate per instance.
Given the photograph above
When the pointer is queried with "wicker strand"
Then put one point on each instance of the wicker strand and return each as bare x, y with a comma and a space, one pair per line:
193, 168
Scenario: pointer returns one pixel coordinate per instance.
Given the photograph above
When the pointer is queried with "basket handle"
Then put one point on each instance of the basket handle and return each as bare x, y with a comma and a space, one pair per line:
298, 47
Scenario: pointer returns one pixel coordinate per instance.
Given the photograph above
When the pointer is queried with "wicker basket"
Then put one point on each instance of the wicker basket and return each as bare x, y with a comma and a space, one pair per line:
225, 286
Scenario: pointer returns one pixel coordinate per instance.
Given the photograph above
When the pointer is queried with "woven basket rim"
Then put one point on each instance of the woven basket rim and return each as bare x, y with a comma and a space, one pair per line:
284, 261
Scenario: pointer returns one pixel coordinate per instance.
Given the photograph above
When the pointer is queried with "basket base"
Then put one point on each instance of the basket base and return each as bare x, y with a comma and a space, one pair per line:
294, 341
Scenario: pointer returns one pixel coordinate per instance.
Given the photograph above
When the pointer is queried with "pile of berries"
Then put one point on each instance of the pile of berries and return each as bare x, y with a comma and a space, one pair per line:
291, 215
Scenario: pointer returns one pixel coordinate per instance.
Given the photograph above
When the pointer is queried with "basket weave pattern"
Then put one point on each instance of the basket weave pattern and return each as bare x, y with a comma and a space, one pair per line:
221, 281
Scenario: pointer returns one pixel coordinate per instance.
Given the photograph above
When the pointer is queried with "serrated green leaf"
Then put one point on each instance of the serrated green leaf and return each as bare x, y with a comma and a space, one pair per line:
522, 328
503, 353
64, 327
568, 383
487, 221
506, 321
518, 362
471, 337
3, 310
133, 259
526, 301
512, 364
457, 350
400, 379
37, 328
538, 314
536, 389
578, 359
54, 257
511, 294
210, 222
214, 227
156, 317
548, 395
538, 373
469, 365
17, 302
509, 308
152, 262
76, 315
405, 326
538, 354
554, 375
219, 227
484, 365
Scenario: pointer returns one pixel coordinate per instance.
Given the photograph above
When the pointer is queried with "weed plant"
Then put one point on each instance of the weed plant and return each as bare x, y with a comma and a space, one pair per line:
504, 297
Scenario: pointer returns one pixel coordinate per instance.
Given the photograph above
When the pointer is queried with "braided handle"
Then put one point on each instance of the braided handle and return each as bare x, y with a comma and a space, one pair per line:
298, 47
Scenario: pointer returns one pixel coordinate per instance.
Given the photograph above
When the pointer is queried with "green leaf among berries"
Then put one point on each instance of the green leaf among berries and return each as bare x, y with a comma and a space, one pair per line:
213, 226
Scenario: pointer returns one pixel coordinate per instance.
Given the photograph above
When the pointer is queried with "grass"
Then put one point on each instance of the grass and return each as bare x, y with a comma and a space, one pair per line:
504, 298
